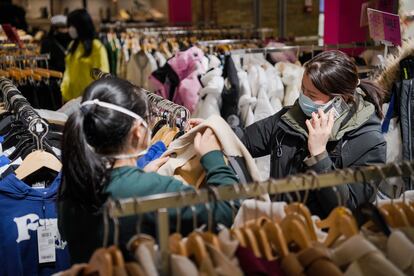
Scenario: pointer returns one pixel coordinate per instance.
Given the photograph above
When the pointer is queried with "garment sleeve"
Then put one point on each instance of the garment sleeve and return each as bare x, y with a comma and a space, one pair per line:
257, 137
356, 193
64, 86
217, 174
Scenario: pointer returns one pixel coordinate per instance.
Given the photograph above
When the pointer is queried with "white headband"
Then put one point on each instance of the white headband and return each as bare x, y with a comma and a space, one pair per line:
116, 108
359, 82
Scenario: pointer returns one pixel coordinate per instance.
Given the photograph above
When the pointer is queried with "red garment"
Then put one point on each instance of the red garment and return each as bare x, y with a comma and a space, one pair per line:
253, 266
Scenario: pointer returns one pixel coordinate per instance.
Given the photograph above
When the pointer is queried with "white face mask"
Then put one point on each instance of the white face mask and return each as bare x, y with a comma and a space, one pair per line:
129, 113
73, 32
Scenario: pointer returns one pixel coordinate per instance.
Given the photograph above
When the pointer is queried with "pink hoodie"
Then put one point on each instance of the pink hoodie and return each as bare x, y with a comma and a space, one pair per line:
187, 66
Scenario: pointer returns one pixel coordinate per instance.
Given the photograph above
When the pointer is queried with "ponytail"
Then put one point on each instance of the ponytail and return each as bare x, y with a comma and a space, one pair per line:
374, 94
85, 173
91, 134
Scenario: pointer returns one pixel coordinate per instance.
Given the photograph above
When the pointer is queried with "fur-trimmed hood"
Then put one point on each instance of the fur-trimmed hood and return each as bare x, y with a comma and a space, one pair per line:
391, 72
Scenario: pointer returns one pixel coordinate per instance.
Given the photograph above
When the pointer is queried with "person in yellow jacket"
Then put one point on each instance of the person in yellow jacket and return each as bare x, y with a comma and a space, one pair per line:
85, 53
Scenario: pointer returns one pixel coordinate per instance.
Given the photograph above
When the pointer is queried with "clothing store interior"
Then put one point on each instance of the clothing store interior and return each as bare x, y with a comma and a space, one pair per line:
207, 137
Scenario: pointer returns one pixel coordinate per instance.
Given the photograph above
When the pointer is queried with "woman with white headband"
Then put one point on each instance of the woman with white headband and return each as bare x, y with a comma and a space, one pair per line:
101, 144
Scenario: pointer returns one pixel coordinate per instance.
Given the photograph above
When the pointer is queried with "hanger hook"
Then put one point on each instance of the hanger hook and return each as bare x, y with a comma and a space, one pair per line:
139, 216
116, 222
105, 215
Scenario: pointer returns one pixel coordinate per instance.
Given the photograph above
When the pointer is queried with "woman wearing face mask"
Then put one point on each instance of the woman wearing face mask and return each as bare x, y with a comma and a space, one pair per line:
101, 143
56, 43
84, 53
303, 137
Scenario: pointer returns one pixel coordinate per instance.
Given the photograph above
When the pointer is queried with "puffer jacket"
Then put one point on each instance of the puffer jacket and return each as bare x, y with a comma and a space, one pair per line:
356, 141
178, 79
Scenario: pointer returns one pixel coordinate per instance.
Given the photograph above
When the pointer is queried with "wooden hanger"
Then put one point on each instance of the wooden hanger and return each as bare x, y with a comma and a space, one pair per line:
42, 73
295, 230
160, 133
37, 160
251, 241
394, 215
302, 210
408, 210
117, 258
99, 264
262, 238
52, 73
176, 245
276, 238
237, 234
4, 74
340, 222
195, 247
169, 135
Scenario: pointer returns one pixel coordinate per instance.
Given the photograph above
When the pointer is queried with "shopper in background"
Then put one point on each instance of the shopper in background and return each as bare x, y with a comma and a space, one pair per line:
13, 15
101, 143
84, 53
303, 137
56, 43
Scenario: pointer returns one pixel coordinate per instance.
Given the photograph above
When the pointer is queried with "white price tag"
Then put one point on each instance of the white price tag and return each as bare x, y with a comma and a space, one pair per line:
46, 244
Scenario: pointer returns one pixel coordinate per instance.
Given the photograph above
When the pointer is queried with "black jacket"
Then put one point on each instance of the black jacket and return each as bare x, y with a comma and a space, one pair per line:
358, 141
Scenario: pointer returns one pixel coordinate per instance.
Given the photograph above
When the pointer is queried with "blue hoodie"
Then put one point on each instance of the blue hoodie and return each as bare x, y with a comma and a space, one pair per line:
23, 210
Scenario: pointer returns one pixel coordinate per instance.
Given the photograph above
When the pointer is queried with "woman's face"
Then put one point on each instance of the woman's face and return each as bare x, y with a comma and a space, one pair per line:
312, 92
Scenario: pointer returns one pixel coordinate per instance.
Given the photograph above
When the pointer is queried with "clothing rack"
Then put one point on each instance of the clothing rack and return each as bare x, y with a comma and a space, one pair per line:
307, 48
156, 102
15, 102
12, 58
160, 203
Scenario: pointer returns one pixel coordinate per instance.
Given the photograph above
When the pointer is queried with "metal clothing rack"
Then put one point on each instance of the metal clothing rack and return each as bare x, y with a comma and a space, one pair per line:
160, 203
15, 102
156, 102
306, 48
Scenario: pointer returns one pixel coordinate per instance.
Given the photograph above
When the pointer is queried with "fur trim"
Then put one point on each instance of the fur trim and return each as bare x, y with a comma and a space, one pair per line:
391, 73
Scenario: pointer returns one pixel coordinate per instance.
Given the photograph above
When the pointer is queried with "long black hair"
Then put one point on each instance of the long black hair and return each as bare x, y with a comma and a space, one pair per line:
334, 73
82, 22
93, 132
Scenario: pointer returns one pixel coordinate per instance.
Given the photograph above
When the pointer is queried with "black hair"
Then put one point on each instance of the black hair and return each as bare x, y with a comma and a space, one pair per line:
93, 132
335, 73
82, 22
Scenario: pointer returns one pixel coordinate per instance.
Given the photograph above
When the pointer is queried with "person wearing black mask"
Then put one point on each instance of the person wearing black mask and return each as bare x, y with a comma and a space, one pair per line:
56, 43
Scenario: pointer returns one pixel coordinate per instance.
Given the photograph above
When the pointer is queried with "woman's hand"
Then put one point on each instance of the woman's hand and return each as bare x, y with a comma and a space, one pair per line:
319, 129
195, 122
154, 165
206, 142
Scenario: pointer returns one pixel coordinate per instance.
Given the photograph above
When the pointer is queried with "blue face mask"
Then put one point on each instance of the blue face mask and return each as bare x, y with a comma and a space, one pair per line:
308, 106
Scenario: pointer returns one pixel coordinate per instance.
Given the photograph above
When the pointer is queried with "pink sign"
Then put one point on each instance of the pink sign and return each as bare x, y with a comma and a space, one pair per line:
384, 26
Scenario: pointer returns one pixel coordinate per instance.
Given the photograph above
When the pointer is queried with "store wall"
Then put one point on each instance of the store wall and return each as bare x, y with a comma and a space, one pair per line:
241, 13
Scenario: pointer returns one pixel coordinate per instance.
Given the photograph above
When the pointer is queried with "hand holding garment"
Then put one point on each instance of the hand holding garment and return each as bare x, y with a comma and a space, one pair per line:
184, 161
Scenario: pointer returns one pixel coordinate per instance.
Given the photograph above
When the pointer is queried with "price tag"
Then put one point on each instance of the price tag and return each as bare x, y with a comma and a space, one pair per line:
46, 244
384, 26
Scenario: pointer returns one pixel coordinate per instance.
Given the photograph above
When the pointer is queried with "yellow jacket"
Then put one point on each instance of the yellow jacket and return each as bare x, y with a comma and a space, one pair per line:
77, 75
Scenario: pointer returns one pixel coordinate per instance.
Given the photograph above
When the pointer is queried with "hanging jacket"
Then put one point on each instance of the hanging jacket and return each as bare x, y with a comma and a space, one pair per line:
139, 68
276, 90
231, 93
247, 102
23, 210
357, 141
263, 108
77, 75
210, 94
178, 79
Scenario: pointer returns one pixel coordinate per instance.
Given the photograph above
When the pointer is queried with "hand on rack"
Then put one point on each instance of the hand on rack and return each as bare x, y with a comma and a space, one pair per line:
319, 129
154, 165
206, 142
